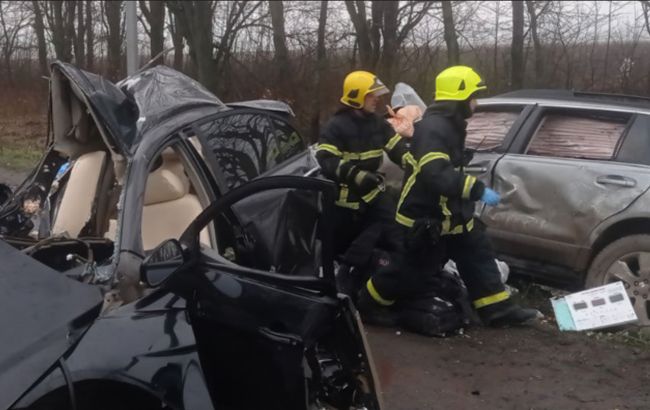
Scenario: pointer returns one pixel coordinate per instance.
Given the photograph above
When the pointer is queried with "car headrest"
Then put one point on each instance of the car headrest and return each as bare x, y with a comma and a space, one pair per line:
168, 182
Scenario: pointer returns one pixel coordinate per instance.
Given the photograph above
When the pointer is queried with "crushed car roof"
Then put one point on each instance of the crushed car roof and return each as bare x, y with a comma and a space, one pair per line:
162, 93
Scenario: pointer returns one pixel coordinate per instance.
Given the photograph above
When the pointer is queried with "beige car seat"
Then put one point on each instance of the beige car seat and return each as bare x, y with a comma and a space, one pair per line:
76, 204
169, 207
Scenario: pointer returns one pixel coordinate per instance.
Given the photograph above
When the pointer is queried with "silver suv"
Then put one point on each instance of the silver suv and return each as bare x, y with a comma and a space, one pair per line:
573, 170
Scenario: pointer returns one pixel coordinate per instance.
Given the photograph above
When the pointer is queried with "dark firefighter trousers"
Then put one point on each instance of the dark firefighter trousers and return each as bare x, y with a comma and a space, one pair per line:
417, 267
350, 223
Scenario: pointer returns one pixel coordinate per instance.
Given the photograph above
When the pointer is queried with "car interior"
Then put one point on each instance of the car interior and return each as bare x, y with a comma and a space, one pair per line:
82, 202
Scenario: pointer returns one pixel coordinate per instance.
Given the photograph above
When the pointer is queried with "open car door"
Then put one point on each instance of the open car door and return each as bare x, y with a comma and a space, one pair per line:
266, 339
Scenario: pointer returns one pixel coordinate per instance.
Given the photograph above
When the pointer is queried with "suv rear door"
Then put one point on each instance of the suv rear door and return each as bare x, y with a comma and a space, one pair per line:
559, 181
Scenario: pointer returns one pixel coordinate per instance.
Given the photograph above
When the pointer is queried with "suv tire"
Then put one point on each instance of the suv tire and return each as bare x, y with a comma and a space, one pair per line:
626, 259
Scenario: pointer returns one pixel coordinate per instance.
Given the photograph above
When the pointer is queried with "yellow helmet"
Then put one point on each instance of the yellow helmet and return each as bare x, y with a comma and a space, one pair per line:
457, 83
357, 85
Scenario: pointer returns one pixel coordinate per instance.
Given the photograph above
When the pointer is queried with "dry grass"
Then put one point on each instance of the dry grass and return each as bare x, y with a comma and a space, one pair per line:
23, 127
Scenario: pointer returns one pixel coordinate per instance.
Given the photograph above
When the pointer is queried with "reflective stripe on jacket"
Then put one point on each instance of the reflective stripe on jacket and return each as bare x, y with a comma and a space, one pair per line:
435, 185
353, 138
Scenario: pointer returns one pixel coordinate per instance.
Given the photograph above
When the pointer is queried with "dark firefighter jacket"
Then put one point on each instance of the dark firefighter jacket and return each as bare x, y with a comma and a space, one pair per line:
354, 141
435, 186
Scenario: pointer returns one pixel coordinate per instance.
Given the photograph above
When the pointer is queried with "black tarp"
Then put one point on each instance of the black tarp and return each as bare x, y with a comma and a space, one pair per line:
283, 224
38, 306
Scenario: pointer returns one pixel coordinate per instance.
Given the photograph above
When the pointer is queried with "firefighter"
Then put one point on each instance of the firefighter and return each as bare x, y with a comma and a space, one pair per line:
436, 208
350, 152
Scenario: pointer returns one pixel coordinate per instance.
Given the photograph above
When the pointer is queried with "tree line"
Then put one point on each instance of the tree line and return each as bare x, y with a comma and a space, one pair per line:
299, 51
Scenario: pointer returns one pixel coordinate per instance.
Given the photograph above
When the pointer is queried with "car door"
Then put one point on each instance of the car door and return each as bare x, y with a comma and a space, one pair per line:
559, 181
276, 340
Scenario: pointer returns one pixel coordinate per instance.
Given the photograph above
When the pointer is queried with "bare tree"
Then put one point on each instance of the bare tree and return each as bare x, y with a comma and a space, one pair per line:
39, 28
113, 24
177, 41
70, 32
79, 45
90, 35
645, 8
321, 67
367, 53
451, 39
154, 14
194, 21
609, 39
535, 10
279, 40
13, 19
517, 49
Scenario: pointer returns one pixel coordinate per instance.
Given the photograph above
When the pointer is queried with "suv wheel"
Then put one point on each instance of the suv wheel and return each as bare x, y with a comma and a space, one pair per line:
627, 260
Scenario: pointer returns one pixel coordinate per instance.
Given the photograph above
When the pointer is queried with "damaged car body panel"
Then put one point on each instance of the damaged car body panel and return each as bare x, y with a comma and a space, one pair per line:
120, 163
565, 172
36, 334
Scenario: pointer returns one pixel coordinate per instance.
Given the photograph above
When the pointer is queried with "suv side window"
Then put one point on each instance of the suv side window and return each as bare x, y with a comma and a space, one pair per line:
579, 134
488, 128
635, 148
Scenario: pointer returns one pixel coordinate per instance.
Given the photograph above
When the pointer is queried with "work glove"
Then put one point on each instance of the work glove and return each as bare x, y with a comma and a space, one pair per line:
366, 181
490, 197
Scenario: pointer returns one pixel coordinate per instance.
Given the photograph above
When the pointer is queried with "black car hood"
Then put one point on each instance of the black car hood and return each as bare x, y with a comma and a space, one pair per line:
39, 308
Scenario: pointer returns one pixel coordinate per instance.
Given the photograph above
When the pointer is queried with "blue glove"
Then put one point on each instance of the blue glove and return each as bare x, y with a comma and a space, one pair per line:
490, 197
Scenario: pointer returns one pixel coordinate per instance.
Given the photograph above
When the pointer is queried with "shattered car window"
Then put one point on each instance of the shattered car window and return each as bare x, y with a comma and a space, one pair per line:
570, 136
288, 142
247, 145
486, 130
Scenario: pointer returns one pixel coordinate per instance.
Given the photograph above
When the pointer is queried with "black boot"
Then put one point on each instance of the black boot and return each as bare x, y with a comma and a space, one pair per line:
505, 314
372, 313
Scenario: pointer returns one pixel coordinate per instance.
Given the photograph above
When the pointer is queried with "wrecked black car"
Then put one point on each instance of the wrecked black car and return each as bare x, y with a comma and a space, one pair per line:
172, 251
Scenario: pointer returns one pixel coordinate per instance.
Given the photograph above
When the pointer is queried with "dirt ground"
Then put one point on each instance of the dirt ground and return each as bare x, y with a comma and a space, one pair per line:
519, 368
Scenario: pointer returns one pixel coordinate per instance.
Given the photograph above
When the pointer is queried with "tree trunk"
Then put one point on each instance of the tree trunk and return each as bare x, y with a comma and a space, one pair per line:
357, 12
177, 41
79, 46
451, 40
113, 10
70, 33
279, 36
517, 50
155, 15
281, 57
321, 69
537, 44
90, 36
390, 46
496, 46
39, 27
194, 20
57, 26
609, 38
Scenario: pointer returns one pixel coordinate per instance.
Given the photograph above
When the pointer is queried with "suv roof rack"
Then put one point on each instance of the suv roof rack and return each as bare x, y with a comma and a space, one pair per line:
572, 95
